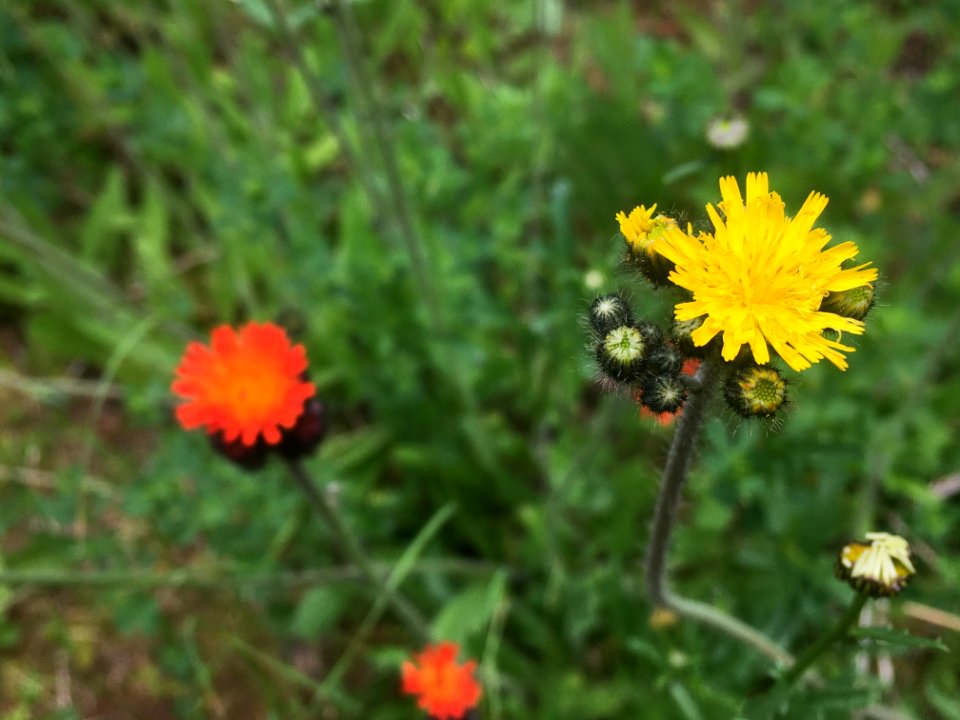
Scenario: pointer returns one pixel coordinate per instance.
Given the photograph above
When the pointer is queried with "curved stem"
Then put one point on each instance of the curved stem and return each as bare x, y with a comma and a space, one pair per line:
351, 548
671, 490
671, 484
709, 615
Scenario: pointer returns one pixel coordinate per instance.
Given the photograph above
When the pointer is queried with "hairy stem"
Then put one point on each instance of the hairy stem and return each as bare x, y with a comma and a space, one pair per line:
671, 484
672, 481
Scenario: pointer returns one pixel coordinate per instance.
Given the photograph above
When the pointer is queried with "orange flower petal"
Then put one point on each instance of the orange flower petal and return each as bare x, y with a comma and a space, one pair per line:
245, 384
445, 689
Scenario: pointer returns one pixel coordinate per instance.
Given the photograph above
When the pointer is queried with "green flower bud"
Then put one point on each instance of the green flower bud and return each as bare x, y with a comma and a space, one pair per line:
663, 393
664, 360
608, 312
622, 353
756, 391
854, 303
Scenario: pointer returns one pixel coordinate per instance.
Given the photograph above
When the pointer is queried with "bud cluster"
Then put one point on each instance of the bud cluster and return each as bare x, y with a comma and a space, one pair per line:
295, 443
634, 353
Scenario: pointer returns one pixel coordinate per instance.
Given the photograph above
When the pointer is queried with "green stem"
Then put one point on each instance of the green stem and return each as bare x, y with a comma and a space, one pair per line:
134, 580
413, 242
827, 640
324, 107
709, 615
351, 548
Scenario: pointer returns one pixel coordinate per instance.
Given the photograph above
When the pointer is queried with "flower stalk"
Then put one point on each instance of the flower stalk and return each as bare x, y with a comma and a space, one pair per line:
353, 551
672, 482
671, 485
837, 633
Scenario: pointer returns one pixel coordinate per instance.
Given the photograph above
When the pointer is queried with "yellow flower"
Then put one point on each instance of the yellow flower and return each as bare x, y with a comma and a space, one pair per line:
761, 277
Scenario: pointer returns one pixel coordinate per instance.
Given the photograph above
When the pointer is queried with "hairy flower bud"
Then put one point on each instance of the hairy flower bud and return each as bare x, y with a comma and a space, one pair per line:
756, 391
854, 303
664, 360
663, 393
608, 312
622, 352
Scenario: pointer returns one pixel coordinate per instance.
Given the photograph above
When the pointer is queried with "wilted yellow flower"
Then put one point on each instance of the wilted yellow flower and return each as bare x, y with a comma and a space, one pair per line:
879, 567
761, 277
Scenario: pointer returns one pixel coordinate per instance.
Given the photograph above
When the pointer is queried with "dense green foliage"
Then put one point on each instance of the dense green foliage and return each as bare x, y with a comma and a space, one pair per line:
167, 166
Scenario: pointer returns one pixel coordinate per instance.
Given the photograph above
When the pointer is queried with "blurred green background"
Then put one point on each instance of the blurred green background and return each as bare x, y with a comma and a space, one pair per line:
425, 191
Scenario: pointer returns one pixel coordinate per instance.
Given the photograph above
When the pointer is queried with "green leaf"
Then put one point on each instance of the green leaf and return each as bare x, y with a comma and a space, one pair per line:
318, 610
108, 217
468, 613
685, 703
898, 638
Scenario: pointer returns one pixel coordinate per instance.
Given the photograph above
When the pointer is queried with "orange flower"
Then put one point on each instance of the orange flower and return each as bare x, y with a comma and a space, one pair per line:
447, 690
245, 384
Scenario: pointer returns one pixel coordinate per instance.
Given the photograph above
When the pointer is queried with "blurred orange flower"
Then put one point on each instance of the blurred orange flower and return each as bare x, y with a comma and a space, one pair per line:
245, 384
446, 690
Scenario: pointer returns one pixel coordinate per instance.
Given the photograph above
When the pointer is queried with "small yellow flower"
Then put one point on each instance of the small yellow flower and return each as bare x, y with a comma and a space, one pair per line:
761, 277
663, 617
642, 230
879, 567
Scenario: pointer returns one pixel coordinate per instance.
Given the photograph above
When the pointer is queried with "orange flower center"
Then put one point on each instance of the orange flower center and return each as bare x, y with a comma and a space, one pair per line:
249, 385
442, 683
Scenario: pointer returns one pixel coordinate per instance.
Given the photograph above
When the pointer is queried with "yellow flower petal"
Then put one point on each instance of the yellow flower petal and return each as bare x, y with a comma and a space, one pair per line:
761, 277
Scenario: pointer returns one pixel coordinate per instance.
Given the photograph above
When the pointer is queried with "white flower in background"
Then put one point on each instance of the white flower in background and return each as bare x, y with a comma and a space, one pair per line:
727, 133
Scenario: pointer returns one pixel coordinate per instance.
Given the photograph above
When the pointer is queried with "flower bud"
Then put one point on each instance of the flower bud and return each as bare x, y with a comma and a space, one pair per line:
307, 433
879, 567
854, 303
652, 335
663, 393
249, 457
622, 352
641, 231
756, 391
682, 331
608, 312
664, 360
